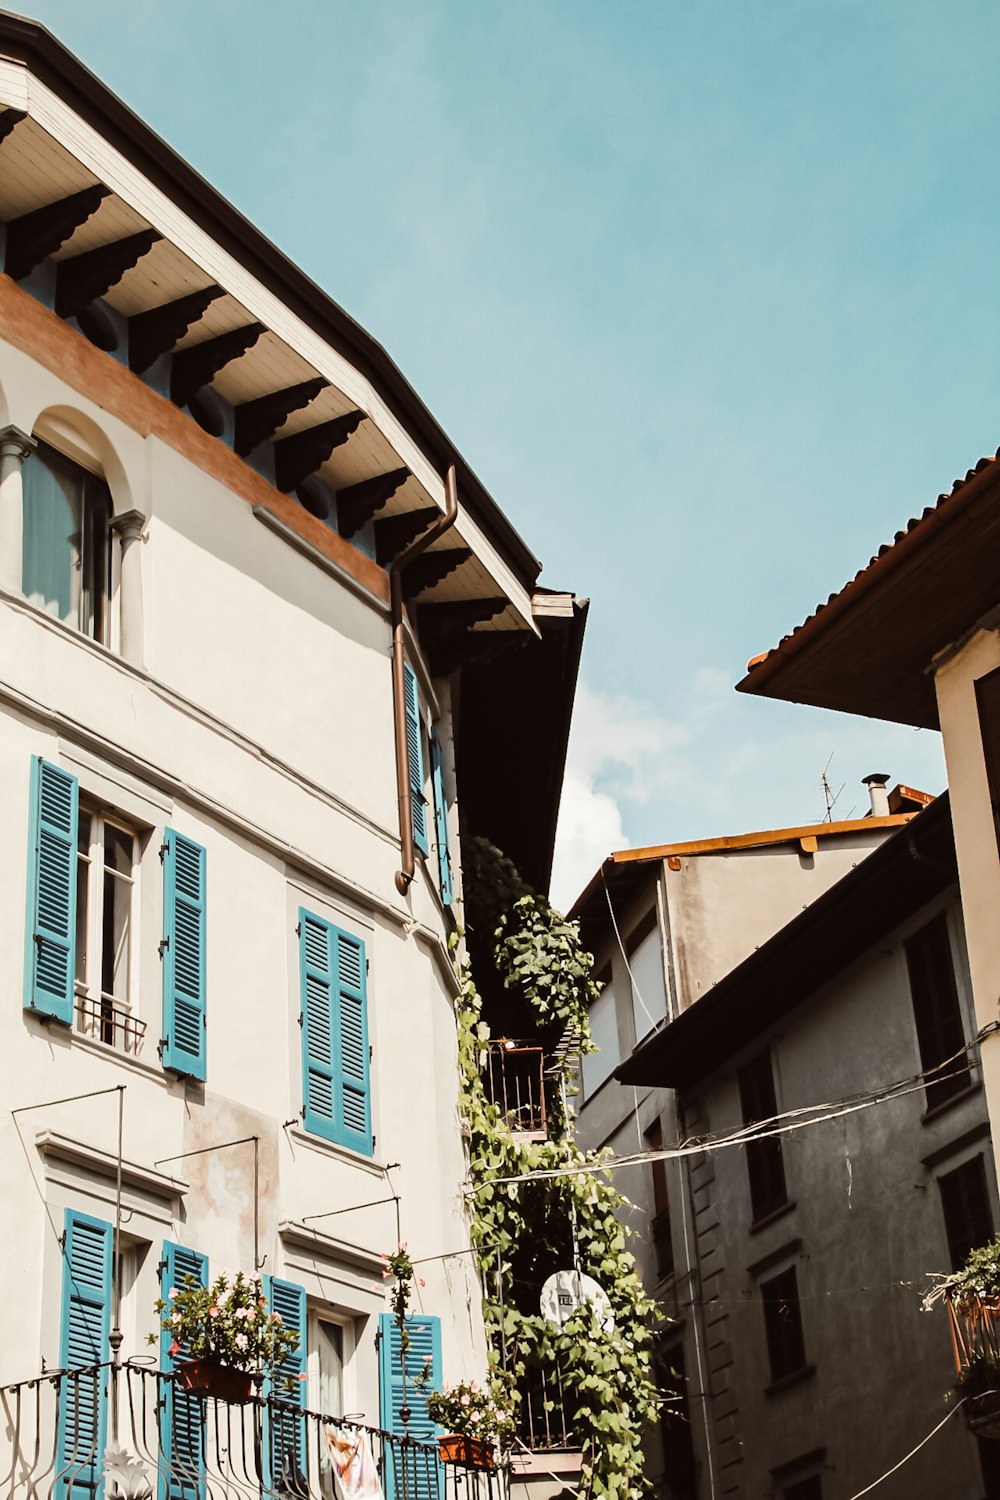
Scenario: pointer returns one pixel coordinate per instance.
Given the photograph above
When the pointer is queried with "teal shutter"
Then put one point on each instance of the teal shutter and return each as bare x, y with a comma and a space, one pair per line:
336, 1083
183, 1049
415, 759
423, 1470
182, 1423
51, 906
287, 1446
86, 1324
441, 821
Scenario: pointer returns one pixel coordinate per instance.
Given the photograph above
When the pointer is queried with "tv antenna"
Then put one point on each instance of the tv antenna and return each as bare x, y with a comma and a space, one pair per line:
830, 797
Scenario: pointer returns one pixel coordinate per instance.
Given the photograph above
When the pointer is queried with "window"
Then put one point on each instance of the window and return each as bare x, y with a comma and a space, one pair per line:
680, 1471
421, 1481
936, 1010
804, 1489
66, 566
106, 907
334, 1021
83, 1343
599, 1065
783, 1325
968, 1215
660, 1227
645, 961
765, 1167
182, 953
416, 759
328, 1377
441, 821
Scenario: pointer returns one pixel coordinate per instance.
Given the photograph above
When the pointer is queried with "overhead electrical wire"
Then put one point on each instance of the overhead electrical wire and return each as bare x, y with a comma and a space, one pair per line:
776, 1125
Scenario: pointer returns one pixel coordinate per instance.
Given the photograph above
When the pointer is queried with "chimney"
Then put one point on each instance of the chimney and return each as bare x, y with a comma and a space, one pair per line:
876, 790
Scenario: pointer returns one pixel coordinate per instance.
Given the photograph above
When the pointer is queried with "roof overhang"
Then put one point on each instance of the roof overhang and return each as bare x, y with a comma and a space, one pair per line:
257, 333
911, 868
869, 650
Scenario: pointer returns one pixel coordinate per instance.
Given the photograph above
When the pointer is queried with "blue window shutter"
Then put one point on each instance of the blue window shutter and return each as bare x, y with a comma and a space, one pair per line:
415, 759
441, 820
287, 1446
182, 1423
51, 905
336, 1075
183, 955
423, 1471
86, 1325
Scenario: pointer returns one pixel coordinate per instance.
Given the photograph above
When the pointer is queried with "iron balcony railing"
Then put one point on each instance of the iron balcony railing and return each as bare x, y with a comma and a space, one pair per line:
543, 1420
515, 1083
129, 1432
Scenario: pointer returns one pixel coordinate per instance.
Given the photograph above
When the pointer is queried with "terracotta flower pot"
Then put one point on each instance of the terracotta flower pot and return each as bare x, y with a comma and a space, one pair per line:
460, 1448
204, 1377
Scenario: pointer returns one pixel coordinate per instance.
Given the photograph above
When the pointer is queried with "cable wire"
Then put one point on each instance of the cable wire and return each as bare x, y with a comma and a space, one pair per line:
896, 1467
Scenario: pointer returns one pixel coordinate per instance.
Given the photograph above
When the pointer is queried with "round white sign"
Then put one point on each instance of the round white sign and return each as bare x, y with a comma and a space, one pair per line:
564, 1292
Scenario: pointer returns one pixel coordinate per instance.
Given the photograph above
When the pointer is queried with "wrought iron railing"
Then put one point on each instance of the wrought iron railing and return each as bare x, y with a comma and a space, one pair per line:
543, 1420
129, 1432
515, 1083
110, 1021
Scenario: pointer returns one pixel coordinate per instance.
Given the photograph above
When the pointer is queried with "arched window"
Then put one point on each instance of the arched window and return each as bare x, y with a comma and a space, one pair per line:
66, 557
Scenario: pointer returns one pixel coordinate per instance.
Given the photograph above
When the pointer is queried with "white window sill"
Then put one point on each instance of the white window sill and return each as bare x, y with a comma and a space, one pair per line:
299, 1135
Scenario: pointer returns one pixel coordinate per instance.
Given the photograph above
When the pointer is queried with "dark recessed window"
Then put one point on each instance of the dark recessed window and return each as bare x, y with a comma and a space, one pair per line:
988, 699
783, 1324
660, 1227
66, 563
804, 1489
968, 1215
765, 1167
680, 1474
936, 1011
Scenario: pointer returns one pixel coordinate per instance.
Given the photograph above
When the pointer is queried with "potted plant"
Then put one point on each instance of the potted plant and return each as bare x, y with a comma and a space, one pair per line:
972, 1297
223, 1333
475, 1419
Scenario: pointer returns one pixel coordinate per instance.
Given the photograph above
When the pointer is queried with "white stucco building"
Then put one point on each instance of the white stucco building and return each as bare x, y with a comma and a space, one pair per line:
257, 656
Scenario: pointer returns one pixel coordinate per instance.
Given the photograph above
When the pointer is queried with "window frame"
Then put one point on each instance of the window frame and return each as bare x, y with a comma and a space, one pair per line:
924, 998
337, 1318
782, 1347
953, 1238
764, 1157
126, 1035
96, 505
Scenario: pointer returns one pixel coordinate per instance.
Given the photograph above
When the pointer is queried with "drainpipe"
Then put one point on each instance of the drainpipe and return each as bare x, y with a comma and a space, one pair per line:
397, 567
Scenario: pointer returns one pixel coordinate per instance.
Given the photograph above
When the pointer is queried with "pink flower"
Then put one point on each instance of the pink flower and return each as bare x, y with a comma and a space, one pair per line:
175, 1348
474, 1386
276, 1317
465, 1400
241, 1341
262, 1302
386, 1274
428, 1359
251, 1315
302, 1377
175, 1317
421, 1281
213, 1312
172, 1293
474, 1416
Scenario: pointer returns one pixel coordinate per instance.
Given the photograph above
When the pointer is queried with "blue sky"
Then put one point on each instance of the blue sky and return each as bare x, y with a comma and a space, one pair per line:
707, 293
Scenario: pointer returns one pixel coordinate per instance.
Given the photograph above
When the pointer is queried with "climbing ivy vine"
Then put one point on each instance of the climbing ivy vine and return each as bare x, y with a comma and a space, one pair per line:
524, 1230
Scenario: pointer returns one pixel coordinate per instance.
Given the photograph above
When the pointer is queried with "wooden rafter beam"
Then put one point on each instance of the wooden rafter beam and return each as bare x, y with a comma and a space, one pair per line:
476, 646
83, 278
197, 367
33, 236
455, 616
156, 331
258, 420
8, 120
295, 458
393, 533
431, 567
357, 503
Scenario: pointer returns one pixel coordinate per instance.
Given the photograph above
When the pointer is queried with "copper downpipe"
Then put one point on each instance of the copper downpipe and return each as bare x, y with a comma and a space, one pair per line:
404, 875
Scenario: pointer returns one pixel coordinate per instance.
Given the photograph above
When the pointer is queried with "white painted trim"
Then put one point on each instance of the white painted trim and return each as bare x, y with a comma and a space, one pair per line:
327, 1247
54, 1146
291, 536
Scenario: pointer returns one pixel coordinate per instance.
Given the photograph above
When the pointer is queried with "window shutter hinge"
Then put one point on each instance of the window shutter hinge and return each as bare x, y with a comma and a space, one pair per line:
302, 1019
163, 849
62, 1240
161, 1266
368, 965
298, 929
161, 1046
163, 944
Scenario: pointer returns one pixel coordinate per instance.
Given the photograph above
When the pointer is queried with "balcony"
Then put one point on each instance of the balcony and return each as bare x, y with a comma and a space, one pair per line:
131, 1433
515, 1083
